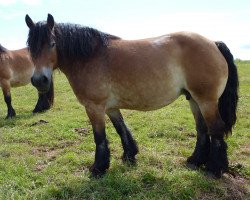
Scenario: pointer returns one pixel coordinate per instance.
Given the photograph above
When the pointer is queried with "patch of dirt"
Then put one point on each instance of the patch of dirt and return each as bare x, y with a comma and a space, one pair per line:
65, 144
179, 128
40, 166
246, 150
50, 155
82, 131
156, 134
234, 187
41, 121
47, 150
191, 134
80, 172
207, 196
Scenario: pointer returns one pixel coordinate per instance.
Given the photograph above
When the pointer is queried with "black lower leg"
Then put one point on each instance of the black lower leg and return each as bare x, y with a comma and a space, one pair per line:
11, 112
202, 148
128, 143
218, 162
102, 154
42, 103
129, 146
201, 152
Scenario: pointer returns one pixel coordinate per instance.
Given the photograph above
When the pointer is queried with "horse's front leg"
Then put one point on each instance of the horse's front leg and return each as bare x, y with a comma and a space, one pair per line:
7, 98
96, 114
45, 100
42, 103
128, 143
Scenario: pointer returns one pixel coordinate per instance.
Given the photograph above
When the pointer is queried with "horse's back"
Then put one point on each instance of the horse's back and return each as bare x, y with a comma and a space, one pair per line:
145, 74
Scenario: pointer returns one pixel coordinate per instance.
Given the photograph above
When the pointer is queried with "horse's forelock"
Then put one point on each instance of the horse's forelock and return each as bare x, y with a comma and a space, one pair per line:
38, 36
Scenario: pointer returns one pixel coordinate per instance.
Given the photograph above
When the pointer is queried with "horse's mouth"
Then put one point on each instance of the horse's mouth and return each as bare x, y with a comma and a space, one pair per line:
42, 90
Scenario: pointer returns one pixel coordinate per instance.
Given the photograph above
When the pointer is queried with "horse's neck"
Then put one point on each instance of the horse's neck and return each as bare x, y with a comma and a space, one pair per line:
69, 69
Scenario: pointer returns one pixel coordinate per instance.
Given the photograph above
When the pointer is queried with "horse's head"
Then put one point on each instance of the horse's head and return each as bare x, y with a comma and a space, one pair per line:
42, 46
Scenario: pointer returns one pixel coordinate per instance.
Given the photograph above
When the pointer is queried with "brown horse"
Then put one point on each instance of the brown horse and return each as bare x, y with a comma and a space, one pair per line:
16, 69
108, 73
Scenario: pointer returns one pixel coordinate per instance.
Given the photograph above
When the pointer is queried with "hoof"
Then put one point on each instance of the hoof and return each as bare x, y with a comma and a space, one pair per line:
41, 106
215, 172
36, 111
40, 110
95, 172
214, 175
192, 166
194, 161
129, 159
11, 115
98, 170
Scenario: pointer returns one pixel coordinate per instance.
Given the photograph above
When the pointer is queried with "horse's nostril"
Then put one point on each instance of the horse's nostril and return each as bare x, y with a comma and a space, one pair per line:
40, 81
44, 80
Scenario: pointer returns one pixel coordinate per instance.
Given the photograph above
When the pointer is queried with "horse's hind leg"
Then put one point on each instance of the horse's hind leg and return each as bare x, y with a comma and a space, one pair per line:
7, 98
129, 145
217, 162
201, 152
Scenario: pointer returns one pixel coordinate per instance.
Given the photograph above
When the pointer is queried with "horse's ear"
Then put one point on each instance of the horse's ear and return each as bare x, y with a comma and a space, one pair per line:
50, 22
29, 22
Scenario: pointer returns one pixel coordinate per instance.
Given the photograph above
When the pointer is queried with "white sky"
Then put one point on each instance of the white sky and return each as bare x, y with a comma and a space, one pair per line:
226, 20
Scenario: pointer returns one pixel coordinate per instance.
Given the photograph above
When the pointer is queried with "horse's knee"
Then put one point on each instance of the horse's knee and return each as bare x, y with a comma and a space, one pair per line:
217, 128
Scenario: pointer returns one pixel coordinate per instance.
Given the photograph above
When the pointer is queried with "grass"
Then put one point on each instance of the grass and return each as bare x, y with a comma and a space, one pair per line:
50, 160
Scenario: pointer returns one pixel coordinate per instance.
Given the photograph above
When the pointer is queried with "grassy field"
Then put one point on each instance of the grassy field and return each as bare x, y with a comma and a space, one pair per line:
46, 156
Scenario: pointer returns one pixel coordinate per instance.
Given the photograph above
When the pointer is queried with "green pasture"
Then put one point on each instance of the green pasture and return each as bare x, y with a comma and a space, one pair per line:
46, 156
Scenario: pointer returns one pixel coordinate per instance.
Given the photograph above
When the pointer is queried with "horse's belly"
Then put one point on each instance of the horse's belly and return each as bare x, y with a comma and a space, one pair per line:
146, 104
146, 82
144, 99
21, 78
18, 83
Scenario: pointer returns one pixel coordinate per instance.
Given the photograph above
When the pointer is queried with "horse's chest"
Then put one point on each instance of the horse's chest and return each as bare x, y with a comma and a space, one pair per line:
88, 91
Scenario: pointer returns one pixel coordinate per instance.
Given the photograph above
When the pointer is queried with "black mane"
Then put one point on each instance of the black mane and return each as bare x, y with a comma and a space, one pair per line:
73, 41
37, 37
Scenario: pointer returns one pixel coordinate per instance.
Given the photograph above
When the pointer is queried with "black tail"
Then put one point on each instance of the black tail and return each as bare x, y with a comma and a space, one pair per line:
46, 100
229, 99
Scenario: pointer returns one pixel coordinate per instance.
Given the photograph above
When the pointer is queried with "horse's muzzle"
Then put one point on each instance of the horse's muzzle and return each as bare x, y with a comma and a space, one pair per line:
41, 82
